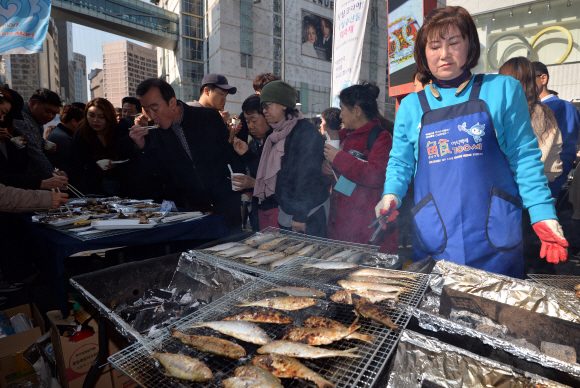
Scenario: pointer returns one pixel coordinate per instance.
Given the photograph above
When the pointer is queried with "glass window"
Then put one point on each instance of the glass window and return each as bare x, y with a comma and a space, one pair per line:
192, 6
192, 49
192, 72
192, 26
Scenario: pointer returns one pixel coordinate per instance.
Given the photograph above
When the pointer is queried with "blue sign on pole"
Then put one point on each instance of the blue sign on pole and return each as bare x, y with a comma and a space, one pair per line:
23, 25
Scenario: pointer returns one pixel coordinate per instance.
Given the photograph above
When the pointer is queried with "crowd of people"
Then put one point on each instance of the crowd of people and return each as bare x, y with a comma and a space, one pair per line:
269, 166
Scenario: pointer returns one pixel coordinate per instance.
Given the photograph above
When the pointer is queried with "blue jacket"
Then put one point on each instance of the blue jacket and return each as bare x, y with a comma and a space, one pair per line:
508, 108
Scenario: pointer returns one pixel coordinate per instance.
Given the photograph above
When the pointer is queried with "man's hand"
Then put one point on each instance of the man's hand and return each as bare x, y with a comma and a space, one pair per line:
56, 182
4, 134
51, 150
141, 120
240, 146
243, 182
238, 127
553, 242
298, 226
59, 199
326, 168
138, 135
225, 115
58, 172
387, 202
330, 152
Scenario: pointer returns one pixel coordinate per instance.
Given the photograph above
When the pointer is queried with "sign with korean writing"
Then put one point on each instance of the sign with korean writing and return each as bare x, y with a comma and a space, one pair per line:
23, 26
350, 19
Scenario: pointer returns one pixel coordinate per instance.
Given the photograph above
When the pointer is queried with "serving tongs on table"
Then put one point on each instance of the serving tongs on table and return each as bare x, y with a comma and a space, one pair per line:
381, 221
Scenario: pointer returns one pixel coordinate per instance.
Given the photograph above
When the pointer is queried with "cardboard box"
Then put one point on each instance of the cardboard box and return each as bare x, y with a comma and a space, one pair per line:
74, 359
13, 367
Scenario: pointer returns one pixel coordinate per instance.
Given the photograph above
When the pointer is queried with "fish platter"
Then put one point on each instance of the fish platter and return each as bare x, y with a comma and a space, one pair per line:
275, 320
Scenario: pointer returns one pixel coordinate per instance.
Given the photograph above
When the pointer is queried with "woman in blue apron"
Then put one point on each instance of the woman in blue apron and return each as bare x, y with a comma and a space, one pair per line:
469, 143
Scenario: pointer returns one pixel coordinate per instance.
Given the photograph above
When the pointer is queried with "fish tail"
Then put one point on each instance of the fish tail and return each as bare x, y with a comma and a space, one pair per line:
349, 353
363, 337
307, 266
353, 326
245, 304
173, 331
320, 381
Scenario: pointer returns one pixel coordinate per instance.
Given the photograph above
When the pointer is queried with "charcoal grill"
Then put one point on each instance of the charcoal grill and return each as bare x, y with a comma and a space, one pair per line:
135, 362
560, 288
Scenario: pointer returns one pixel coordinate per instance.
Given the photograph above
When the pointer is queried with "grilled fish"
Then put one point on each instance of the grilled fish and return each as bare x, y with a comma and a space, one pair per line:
183, 367
372, 295
266, 259
382, 273
341, 256
365, 286
245, 331
286, 245
287, 303
331, 265
283, 261
321, 252
374, 279
272, 244
356, 257
326, 323
299, 291
222, 247
295, 248
260, 239
212, 345
234, 251
374, 312
290, 368
252, 376
252, 253
261, 317
296, 349
319, 335
331, 252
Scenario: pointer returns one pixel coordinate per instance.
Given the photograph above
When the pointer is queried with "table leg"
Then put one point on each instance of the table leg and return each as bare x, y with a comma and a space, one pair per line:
93, 374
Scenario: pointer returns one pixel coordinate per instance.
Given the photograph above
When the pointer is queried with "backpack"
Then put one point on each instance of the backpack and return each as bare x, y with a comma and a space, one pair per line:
373, 136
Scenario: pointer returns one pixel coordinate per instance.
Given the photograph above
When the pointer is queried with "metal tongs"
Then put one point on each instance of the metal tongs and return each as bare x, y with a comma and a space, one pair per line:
382, 220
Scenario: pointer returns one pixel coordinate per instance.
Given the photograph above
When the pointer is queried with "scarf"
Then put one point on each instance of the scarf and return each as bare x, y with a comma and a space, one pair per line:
452, 83
271, 159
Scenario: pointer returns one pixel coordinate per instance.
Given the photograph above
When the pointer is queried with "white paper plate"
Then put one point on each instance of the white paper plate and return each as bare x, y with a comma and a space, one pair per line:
121, 224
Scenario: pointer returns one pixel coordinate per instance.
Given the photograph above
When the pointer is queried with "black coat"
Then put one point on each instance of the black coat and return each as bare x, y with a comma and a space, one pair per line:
202, 182
300, 184
13, 170
63, 138
252, 161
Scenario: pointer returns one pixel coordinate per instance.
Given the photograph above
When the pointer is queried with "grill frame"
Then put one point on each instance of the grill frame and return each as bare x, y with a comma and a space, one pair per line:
561, 288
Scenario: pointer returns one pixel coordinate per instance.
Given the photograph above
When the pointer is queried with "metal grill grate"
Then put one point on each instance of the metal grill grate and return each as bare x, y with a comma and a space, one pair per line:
135, 362
560, 288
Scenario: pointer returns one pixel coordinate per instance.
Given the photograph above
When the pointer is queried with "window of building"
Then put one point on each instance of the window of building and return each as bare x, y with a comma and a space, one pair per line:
192, 49
192, 6
192, 27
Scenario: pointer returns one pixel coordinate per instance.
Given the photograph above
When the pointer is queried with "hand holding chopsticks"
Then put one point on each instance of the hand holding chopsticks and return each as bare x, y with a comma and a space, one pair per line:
70, 187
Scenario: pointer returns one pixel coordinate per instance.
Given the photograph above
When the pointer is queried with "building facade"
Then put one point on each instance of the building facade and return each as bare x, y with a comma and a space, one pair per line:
80, 76
66, 60
96, 83
125, 65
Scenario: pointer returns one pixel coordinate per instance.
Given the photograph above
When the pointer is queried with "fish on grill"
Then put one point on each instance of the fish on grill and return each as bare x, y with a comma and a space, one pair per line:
366, 286
260, 239
252, 253
283, 261
299, 291
331, 265
252, 376
295, 248
234, 251
331, 252
222, 247
287, 245
261, 317
319, 335
321, 252
212, 345
376, 279
382, 273
308, 250
374, 312
266, 258
183, 367
290, 368
299, 350
287, 303
245, 331
273, 244
341, 256
344, 296
327, 323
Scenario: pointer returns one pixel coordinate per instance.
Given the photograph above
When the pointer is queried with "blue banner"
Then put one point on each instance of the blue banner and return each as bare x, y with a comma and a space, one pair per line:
23, 25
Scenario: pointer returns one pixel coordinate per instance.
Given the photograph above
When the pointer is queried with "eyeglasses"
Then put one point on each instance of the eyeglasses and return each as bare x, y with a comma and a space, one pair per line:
266, 105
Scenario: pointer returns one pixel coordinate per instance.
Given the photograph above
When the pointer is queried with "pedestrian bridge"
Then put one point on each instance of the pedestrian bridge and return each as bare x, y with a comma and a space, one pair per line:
132, 19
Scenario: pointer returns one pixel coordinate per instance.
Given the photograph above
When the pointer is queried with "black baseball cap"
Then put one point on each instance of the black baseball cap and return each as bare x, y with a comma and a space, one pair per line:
220, 81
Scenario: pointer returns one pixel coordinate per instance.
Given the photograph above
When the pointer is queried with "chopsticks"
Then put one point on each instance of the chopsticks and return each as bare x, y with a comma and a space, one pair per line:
59, 208
75, 191
150, 127
68, 208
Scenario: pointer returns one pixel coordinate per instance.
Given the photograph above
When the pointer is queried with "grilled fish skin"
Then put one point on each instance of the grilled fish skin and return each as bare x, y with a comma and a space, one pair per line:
374, 279
259, 373
319, 335
252, 253
222, 247
341, 256
307, 250
326, 323
283, 261
212, 345
245, 331
298, 350
372, 295
374, 312
183, 367
355, 257
272, 244
286, 245
331, 252
242, 382
290, 368
234, 251
321, 252
331, 265
382, 273
266, 259
260, 238
295, 248
299, 291
366, 286
287, 303
261, 317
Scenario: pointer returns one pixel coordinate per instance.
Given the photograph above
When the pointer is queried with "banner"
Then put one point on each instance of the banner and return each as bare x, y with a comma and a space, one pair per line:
23, 26
350, 18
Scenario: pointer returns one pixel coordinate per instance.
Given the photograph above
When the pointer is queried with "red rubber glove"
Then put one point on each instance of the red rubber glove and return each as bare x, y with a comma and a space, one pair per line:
388, 202
553, 242
393, 215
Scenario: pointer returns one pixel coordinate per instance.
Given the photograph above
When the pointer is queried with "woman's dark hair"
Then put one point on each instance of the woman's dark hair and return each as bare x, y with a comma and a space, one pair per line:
71, 112
523, 70
252, 105
291, 112
437, 23
263, 79
89, 134
364, 96
8, 121
316, 121
423, 78
167, 92
332, 118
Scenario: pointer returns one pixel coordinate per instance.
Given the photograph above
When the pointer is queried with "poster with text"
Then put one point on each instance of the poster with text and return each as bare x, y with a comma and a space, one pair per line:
23, 26
350, 18
405, 19
316, 36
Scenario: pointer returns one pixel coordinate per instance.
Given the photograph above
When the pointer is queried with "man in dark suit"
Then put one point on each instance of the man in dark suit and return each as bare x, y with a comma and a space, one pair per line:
191, 154
325, 44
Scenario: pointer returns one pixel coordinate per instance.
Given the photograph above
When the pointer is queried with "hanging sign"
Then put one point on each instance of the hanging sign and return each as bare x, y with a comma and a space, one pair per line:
23, 26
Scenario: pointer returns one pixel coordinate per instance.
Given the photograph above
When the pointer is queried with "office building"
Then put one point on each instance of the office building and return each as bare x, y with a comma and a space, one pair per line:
96, 83
80, 75
66, 60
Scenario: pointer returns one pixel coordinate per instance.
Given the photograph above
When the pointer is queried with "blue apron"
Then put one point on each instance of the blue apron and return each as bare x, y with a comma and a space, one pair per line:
467, 207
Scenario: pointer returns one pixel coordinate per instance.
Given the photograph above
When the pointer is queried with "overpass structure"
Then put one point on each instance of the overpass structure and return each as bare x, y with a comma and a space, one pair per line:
132, 19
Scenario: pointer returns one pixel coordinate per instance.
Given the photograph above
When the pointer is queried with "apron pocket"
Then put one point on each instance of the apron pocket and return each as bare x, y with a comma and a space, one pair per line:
428, 225
504, 217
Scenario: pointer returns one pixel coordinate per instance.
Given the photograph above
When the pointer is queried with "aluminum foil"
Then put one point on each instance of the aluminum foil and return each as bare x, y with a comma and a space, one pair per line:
517, 348
420, 359
499, 288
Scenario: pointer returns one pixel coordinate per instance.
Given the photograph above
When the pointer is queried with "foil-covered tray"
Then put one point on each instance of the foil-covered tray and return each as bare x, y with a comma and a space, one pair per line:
425, 361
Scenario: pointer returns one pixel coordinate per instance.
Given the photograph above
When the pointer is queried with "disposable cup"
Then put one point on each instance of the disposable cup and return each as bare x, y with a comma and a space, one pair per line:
17, 142
103, 163
48, 144
234, 187
334, 143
